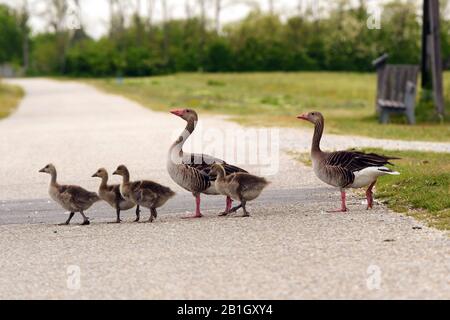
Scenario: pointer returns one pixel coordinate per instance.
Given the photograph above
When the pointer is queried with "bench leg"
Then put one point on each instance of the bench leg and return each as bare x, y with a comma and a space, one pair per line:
384, 116
410, 116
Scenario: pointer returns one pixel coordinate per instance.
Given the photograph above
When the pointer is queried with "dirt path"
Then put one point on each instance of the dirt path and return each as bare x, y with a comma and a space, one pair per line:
290, 248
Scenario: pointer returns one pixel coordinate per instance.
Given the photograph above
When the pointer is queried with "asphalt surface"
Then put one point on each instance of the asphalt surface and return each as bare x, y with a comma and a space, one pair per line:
289, 248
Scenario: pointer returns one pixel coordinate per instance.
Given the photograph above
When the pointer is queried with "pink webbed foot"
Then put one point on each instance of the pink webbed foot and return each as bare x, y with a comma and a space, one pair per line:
197, 209
337, 210
343, 205
197, 215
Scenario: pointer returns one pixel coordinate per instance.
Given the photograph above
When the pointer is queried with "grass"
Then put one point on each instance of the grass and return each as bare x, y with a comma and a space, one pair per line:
274, 99
9, 98
422, 189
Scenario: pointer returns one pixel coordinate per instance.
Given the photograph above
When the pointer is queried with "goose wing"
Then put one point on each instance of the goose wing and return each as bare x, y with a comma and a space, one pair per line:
356, 160
340, 167
203, 163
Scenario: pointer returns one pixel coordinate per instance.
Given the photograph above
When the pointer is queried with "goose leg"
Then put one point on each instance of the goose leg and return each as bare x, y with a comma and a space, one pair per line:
85, 219
198, 214
68, 220
369, 195
227, 208
343, 206
138, 211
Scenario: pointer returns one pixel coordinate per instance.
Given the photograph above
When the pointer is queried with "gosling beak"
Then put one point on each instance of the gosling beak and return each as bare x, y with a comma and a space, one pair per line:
42, 170
303, 116
177, 112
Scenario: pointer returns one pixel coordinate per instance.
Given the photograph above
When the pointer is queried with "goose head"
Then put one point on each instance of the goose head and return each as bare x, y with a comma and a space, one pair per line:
121, 171
313, 117
50, 168
186, 114
100, 173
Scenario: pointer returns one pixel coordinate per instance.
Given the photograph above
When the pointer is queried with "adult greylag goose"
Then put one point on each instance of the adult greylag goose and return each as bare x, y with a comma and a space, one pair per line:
239, 186
70, 197
110, 193
192, 171
345, 169
144, 193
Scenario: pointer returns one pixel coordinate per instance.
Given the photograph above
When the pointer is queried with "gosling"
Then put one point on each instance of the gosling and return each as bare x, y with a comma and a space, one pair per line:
238, 186
70, 197
145, 193
111, 194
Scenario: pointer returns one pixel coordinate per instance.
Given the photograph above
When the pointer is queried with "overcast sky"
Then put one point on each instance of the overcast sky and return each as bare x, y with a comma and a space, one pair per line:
95, 13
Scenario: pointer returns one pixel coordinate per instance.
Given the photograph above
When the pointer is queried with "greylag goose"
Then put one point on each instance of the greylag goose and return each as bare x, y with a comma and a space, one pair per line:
144, 193
345, 169
70, 197
238, 186
110, 193
192, 171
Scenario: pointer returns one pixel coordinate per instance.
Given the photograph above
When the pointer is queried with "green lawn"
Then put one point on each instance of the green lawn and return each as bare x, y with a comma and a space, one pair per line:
267, 99
422, 189
9, 98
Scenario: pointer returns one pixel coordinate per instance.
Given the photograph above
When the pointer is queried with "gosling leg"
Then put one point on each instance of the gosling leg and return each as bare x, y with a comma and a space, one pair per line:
138, 211
153, 214
68, 220
85, 219
246, 214
236, 208
118, 215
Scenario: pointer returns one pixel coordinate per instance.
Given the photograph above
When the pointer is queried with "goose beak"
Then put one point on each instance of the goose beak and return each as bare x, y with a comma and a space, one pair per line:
115, 172
94, 175
177, 112
303, 116
42, 170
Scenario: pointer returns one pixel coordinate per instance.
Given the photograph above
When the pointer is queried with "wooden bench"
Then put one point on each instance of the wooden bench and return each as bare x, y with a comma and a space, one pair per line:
396, 89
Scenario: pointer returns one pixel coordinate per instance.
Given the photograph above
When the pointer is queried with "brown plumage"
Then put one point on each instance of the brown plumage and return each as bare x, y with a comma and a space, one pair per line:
192, 171
110, 193
70, 197
345, 169
144, 193
239, 186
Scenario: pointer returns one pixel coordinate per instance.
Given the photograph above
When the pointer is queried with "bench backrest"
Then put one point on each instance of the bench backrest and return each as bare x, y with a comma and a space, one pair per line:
393, 81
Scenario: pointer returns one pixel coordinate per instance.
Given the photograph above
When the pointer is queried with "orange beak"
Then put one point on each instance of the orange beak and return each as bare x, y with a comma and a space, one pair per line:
303, 116
177, 112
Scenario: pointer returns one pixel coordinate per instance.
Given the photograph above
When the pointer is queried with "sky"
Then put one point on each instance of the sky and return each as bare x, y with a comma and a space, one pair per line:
95, 13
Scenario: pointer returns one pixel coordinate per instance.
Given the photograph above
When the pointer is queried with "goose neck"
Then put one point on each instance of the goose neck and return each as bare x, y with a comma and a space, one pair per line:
318, 131
177, 147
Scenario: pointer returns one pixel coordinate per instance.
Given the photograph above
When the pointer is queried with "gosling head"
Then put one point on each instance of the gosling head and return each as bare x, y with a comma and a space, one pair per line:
186, 114
100, 173
217, 168
50, 168
313, 117
121, 170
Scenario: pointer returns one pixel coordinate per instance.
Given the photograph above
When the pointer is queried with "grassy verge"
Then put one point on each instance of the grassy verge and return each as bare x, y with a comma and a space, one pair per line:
268, 99
9, 98
422, 189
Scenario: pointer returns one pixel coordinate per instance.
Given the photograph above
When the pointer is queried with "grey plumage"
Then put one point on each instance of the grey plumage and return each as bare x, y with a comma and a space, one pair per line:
110, 193
70, 197
144, 193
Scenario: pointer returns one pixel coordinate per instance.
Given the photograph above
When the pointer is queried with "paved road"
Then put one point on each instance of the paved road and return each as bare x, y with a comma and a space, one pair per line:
289, 248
